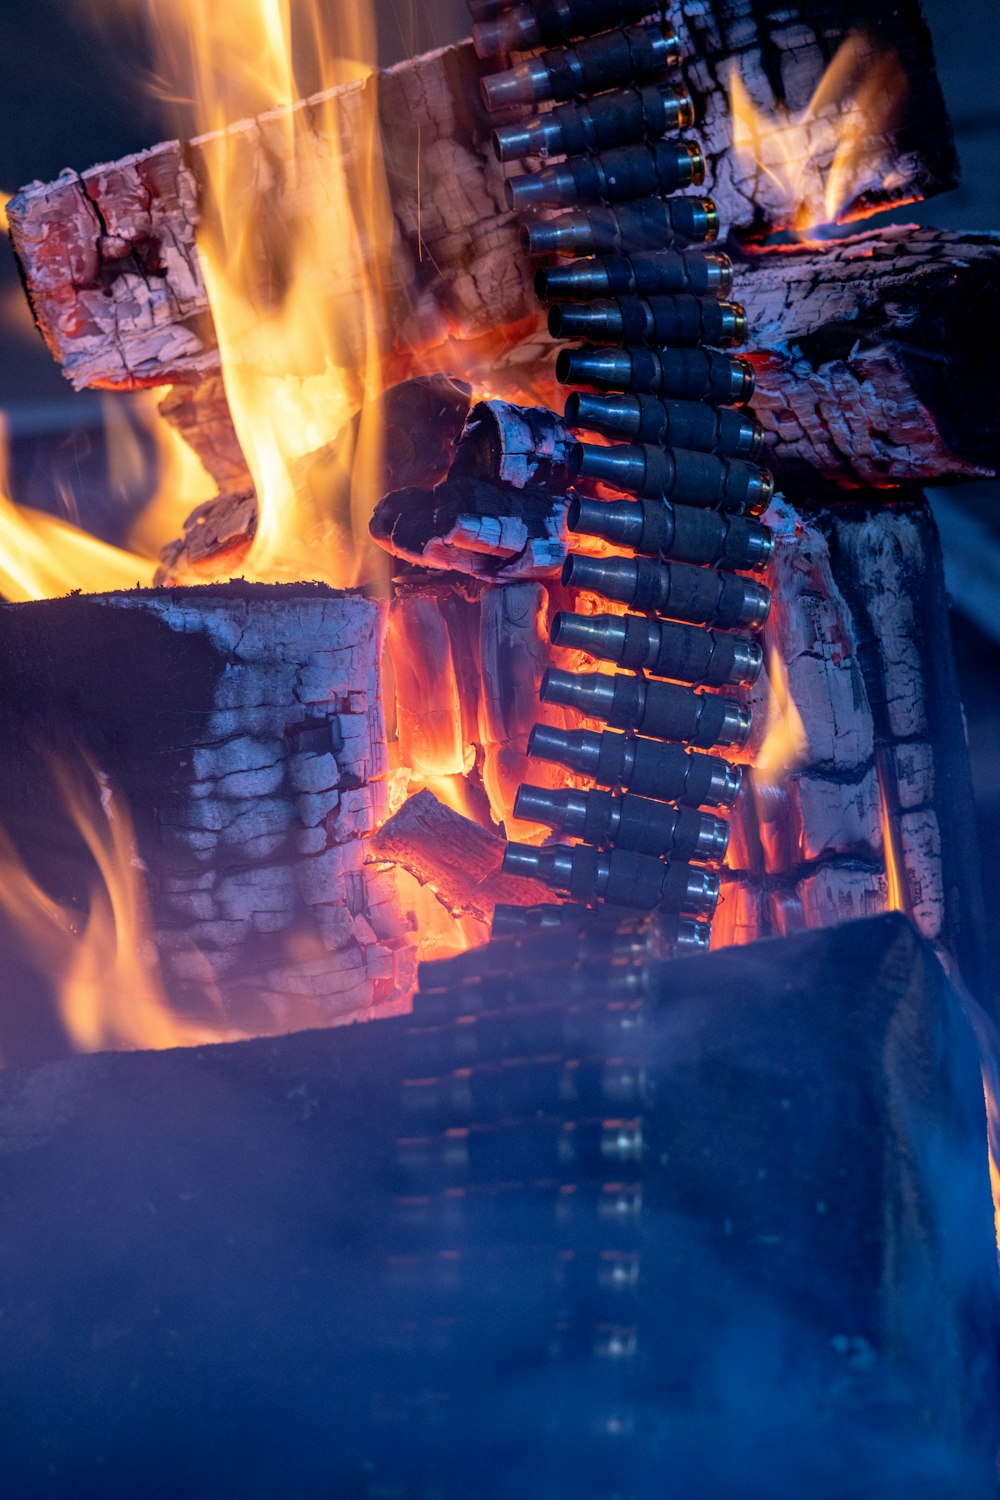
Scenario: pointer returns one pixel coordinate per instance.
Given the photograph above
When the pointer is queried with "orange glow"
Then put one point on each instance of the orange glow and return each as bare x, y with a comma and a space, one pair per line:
4, 200
103, 965
43, 557
785, 741
895, 886
993, 1122
848, 122
182, 482
294, 290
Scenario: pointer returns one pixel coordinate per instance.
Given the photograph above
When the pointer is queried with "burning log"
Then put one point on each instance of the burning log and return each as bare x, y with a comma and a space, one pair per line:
419, 424
252, 784
468, 660
861, 800
457, 858
876, 358
109, 255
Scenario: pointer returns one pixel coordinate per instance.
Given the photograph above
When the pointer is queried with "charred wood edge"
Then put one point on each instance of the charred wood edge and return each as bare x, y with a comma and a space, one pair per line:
876, 612
876, 356
252, 792
965, 912
112, 271
458, 859
421, 422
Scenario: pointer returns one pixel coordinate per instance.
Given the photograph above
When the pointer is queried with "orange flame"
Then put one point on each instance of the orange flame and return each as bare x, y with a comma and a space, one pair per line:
815, 167
895, 884
785, 741
4, 200
104, 969
293, 249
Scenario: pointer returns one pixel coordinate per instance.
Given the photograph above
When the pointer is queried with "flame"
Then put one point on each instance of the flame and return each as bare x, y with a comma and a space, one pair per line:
103, 968
293, 248
182, 482
848, 123
895, 884
785, 741
4, 200
42, 557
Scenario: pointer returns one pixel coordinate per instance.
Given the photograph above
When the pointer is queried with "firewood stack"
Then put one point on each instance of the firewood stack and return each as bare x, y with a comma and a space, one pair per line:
870, 374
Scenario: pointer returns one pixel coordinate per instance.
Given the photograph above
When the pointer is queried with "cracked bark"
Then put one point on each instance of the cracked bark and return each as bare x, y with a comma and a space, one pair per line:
253, 790
112, 269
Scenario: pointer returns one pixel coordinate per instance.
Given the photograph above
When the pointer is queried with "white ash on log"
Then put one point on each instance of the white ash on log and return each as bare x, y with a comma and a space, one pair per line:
109, 255
243, 727
475, 527
457, 858
859, 625
876, 356
515, 445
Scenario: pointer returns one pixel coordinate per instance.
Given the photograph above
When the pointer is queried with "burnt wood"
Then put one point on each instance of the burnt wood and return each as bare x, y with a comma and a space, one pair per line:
242, 727
109, 255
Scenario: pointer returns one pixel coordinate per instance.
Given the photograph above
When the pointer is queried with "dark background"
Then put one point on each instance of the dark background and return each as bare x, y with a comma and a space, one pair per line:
75, 80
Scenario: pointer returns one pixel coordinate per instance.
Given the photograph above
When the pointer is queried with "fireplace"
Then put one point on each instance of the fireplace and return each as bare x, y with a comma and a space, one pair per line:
480, 715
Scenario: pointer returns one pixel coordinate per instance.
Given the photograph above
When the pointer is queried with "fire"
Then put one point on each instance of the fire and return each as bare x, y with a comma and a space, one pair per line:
4, 200
42, 557
848, 123
785, 741
102, 966
895, 887
293, 263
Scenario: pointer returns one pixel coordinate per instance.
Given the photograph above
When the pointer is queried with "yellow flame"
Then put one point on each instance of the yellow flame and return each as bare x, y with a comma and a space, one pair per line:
103, 967
4, 200
42, 557
848, 123
895, 885
182, 482
785, 740
293, 247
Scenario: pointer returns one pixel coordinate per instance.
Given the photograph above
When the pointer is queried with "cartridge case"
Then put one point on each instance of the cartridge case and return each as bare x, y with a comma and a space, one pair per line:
627, 821
661, 710
700, 596
659, 473
702, 273
655, 528
700, 374
683, 653
612, 119
656, 321
640, 171
543, 23
690, 425
649, 767
617, 875
634, 54
603, 228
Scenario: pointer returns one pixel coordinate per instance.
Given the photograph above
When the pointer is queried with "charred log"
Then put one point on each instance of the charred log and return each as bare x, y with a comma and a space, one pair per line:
876, 356
109, 255
457, 858
242, 726
876, 809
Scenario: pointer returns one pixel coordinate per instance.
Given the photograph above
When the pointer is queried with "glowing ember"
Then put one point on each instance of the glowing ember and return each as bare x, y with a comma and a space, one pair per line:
102, 967
847, 123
